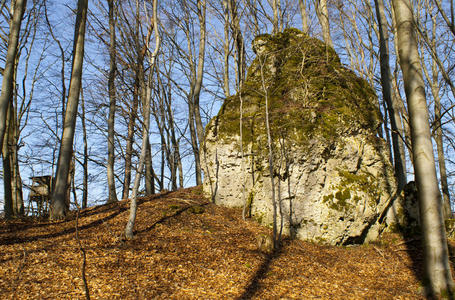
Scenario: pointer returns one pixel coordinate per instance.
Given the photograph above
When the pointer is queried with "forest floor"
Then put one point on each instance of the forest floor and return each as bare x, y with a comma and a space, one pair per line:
188, 248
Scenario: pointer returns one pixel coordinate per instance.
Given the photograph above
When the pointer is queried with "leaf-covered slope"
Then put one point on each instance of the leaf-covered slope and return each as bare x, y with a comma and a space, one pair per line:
187, 248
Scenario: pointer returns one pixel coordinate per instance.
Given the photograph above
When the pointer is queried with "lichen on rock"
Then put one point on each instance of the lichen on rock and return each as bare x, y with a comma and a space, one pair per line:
334, 177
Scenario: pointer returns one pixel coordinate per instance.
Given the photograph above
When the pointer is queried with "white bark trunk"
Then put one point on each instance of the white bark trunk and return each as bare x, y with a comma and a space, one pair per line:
133, 206
323, 16
437, 269
304, 15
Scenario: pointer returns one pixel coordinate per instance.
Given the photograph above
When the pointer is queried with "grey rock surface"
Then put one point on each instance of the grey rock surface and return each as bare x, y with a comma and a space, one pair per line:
334, 182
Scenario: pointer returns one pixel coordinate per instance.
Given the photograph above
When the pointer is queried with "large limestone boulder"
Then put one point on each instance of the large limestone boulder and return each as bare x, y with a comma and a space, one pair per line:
333, 181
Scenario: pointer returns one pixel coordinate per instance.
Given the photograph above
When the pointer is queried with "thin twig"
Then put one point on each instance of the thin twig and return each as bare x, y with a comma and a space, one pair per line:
379, 251
406, 242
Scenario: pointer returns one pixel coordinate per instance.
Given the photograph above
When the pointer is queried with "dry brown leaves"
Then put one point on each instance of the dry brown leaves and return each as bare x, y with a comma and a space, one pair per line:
181, 251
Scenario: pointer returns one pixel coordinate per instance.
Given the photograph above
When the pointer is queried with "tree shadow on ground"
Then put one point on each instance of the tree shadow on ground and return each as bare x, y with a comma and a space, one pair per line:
254, 285
18, 240
168, 217
117, 209
415, 249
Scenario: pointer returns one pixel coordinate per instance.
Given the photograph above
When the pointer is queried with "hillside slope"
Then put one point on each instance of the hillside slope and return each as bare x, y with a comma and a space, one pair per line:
187, 248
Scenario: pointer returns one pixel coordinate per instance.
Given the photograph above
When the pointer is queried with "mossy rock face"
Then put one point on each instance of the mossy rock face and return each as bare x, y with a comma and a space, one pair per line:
330, 165
310, 94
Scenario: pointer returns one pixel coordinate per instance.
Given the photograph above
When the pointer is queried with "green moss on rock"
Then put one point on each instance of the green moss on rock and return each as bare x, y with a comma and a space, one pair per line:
311, 95
343, 200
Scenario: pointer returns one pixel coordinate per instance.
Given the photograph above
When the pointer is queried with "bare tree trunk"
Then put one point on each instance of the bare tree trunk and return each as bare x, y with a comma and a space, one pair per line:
304, 15
252, 7
85, 159
240, 78
194, 114
14, 204
441, 158
323, 16
58, 207
405, 131
239, 45
175, 143
433, 80
149, 173
270, 149
395, 120
436, 261
70, 182
7, 169
200, 71
112, 102
226, 48
133, 206
138, 69
275, 16
129, 142
8, 73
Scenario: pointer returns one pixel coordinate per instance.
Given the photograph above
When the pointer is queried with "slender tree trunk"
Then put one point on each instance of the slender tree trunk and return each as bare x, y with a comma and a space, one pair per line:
7, 169
398, 101
133, 206
270, 150
226, 49
129, 143
58, 206
195, 82
18, 199
137, 96
323, 16
175, 144
8, 73
304, 15
395, 120
200, 71
69, 181
441, 158
194, 144
252, 7
85, 159
436, 258
275, 16
13, 137
238, 44
14, 204
149, 176
439, 142
433, 80
112, 102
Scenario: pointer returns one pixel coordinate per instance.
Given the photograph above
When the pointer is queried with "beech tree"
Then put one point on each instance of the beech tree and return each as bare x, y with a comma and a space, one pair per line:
59, 206
323, 16
304, 15
436, 257
395, 119
10, 64
112, 102
145, 133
